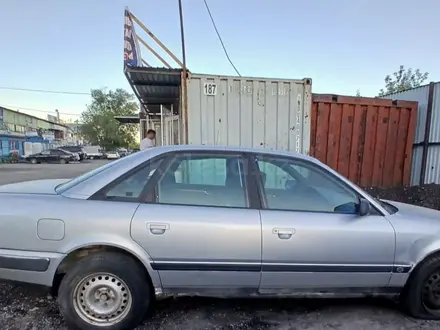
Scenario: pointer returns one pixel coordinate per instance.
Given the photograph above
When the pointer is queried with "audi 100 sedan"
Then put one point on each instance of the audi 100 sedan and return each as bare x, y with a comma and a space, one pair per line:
213, 221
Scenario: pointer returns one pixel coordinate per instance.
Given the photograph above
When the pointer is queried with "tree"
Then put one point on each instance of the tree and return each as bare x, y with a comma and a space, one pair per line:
402, 80
99, 124
358, 93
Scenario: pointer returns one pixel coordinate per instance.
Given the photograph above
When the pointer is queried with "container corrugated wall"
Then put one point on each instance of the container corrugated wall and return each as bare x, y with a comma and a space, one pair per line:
368, 140
249, 112
421, 95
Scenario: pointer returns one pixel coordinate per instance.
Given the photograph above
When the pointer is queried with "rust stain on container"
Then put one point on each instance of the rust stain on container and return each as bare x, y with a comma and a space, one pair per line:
368, 140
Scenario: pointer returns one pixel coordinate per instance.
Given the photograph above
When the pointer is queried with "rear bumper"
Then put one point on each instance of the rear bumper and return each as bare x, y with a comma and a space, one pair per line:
29, 266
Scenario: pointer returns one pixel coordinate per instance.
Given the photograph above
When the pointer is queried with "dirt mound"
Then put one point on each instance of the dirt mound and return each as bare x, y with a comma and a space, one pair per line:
425, 195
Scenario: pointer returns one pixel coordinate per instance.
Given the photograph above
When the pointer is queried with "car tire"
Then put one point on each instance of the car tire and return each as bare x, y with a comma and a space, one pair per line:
34, 161
92, 158
63, 161
126, 281
417, 298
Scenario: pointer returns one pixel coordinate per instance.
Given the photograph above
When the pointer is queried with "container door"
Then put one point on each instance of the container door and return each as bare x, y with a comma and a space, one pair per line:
172, 130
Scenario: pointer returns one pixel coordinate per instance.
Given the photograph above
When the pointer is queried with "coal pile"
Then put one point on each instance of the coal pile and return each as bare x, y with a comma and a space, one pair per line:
425, 195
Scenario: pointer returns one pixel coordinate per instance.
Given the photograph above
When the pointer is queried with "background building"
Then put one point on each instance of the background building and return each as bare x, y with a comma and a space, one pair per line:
74, 133
16, 128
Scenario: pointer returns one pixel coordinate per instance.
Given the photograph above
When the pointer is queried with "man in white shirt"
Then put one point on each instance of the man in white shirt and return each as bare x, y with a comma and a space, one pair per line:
148, 141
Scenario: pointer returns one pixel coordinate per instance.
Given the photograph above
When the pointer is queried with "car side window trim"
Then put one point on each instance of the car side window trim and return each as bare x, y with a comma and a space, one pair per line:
149, 196
255, 157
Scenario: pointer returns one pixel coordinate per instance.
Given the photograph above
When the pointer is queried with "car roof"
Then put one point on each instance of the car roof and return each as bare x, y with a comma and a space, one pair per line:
267, 151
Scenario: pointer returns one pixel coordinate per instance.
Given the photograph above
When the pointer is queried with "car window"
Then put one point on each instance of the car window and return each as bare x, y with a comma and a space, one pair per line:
46, 152
130, 188
203, 180
56, 152
302, 186
61, 188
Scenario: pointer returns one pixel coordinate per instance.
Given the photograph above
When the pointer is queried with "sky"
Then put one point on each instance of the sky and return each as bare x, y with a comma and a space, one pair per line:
343, 45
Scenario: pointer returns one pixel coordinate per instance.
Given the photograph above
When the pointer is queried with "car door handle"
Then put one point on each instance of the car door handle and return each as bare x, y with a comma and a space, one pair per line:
284, 233
158, 228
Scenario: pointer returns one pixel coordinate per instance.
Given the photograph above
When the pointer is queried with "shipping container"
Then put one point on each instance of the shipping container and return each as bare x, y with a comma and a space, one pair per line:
426, 148
223, 110
368, 140
249, 112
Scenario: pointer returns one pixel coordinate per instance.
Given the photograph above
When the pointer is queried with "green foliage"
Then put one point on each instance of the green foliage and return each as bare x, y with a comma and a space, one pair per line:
99, 125
402, 80
358, 93
134, 145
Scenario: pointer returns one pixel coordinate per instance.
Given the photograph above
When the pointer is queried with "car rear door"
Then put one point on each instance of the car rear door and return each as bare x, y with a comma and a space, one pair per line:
200, 225
56, 154
313, 237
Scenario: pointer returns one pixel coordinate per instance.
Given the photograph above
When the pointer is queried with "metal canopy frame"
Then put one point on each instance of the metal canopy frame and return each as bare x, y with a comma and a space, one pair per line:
161, 91
155, 86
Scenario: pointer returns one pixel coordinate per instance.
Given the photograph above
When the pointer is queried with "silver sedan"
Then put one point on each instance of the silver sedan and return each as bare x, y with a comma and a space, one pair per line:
213, 221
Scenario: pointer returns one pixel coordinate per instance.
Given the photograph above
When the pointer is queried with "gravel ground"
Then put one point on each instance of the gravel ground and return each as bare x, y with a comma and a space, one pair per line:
30, 308
24, 307
426, 195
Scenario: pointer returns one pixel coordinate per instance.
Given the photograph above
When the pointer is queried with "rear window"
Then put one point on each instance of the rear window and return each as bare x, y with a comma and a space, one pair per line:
69, 184
73, 148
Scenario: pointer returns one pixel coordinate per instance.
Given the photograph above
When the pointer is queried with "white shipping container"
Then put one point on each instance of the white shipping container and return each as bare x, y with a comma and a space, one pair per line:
249, 112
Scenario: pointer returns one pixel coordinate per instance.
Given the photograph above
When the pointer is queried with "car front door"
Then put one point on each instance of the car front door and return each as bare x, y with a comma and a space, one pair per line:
44, 156
199, 225
313, 237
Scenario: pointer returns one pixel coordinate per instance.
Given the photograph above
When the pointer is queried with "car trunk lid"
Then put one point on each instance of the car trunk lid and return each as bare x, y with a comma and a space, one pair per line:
33, 187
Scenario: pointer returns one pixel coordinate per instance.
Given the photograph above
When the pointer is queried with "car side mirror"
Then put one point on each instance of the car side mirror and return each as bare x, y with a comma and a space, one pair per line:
364, 207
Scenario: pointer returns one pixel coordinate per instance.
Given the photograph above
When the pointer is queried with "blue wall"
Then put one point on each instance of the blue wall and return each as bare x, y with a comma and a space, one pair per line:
7, 141
36, 139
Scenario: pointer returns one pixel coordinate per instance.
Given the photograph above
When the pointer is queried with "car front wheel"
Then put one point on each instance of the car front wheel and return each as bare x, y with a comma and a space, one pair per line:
421, 297
106, 291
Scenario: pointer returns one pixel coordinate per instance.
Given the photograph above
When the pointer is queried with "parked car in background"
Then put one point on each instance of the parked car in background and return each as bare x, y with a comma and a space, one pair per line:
77, 149
93, 152
122, 152
112, 155
76, 155
52, 156
213, 221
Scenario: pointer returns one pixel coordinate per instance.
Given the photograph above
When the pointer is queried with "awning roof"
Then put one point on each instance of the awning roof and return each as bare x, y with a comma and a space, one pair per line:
135, 119
155, 86
128, 119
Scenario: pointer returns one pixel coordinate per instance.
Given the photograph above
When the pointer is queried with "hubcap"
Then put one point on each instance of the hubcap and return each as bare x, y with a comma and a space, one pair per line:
431, 294
102, 299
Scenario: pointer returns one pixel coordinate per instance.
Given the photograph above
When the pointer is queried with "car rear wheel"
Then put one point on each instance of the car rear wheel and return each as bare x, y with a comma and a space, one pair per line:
63, 161
421, 297
106, 291
34, 161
